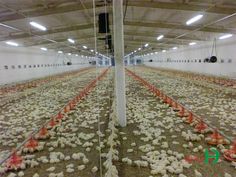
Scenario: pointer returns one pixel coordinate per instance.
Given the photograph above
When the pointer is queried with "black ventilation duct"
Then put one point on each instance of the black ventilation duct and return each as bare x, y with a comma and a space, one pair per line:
103, 21
213, 59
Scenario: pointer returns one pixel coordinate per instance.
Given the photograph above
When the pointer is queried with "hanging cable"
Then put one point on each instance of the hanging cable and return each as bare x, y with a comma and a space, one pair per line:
126, 5
96, 59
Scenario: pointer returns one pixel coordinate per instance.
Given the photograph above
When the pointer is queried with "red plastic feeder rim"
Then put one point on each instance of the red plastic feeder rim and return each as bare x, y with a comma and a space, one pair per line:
59, 116
190, 118
71, 105
228, 154
66, 109
52, 123
43, 132
201, 126
215, 135
14, 161
216, 138
175, 104
32, 143
181, 112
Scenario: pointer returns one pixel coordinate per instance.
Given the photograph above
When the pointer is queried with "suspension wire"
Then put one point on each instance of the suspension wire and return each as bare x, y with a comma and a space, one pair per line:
97, 94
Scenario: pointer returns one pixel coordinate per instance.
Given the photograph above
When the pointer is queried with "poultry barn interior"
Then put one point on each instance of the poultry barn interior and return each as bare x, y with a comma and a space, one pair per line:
117, 88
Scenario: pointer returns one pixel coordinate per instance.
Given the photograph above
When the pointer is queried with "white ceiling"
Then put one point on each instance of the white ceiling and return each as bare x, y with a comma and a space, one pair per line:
144, 21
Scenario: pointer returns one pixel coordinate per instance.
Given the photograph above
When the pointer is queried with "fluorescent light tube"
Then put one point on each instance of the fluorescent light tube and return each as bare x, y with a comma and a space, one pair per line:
60, 52
85, 47
12, 43
71, 41
36, 25
146, 45
194, 19
44, 49
226, 36
160, 37
192, 43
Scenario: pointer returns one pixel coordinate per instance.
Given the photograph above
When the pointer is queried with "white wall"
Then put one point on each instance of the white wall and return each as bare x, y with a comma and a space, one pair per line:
226, 50
15, 56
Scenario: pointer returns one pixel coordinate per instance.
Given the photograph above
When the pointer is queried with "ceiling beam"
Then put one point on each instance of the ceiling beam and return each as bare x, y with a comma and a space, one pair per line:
153, 42
168, 36
60, 40
178, 26
50, 31
46, 11
183, 6
127, 23
63, 8
127, 34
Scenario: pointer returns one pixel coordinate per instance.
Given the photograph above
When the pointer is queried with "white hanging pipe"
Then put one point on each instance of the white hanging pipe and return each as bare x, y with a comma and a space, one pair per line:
119, 61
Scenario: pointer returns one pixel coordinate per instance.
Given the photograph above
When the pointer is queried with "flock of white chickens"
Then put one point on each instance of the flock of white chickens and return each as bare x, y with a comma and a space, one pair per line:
88, 142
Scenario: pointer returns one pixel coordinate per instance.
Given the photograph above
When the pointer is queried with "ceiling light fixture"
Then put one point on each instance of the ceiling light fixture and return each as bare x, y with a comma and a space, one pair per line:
37, 25
175, 48
194, 19
139, 48
12, 43
59, 51
85, 47
192, 43
160, 37
163, 51
43, 48
69, 53
71, 40
146, 45
92, 50
225, 36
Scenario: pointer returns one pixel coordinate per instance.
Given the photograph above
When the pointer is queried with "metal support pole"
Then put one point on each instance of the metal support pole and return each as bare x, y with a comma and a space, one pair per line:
119, 61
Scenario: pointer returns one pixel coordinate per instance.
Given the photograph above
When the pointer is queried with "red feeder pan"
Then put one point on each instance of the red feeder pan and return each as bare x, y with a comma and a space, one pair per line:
215, 138
32, 144
66, 109
52, 123
201, 127
59, 116
43, 133
190, 118
181, 113
14, 162
175, 106
157, 93
71, 105
230, 154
